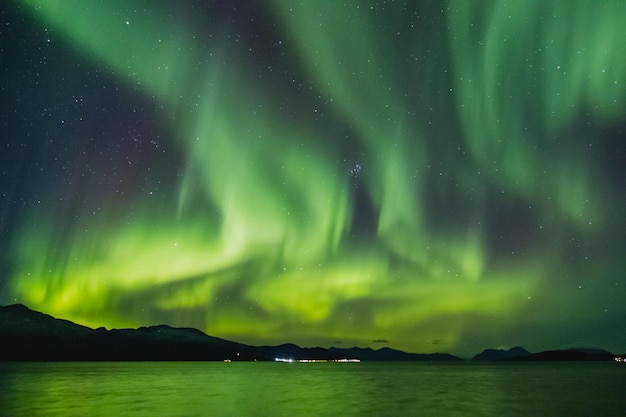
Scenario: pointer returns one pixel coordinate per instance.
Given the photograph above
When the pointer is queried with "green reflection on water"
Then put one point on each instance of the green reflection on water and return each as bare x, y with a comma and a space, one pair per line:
272, 389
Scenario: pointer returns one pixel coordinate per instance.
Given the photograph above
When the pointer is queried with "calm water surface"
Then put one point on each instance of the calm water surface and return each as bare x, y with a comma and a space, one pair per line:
315, 389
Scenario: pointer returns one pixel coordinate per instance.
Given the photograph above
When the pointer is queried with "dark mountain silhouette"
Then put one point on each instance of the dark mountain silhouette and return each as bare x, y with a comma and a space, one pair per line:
30, 335
27, 335
295, 352
500, 354
388, 354
568, 355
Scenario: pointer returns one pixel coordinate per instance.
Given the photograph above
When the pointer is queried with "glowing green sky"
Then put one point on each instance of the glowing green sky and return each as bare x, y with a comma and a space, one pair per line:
432, 176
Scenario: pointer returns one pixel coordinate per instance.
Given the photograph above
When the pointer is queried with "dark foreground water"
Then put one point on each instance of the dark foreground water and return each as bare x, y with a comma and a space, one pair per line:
313, 389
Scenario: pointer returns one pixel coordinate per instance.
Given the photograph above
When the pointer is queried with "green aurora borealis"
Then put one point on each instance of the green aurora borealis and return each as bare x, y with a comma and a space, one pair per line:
430, 175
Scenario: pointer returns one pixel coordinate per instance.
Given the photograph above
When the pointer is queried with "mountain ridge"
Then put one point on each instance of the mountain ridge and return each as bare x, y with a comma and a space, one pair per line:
489, 355
29, 335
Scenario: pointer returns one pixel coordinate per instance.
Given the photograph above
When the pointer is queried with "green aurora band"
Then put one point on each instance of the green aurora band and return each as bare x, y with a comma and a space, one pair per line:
431, 184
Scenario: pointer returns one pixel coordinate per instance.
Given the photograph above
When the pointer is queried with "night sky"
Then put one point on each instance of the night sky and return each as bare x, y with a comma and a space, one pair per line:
426, 175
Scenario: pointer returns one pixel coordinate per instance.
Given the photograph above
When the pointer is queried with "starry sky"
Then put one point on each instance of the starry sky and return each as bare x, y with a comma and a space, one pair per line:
433, 176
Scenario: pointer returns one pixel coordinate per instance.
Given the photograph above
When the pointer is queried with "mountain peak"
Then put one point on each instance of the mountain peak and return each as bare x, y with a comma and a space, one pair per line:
501, 354
15, 308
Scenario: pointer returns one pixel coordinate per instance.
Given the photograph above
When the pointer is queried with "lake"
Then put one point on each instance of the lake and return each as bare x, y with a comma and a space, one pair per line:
311, 389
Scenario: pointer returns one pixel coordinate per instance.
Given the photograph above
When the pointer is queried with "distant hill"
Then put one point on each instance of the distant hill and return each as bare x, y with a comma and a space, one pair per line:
32, 336
388, 354
500, 354
27, 335
295, 352
568, 355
